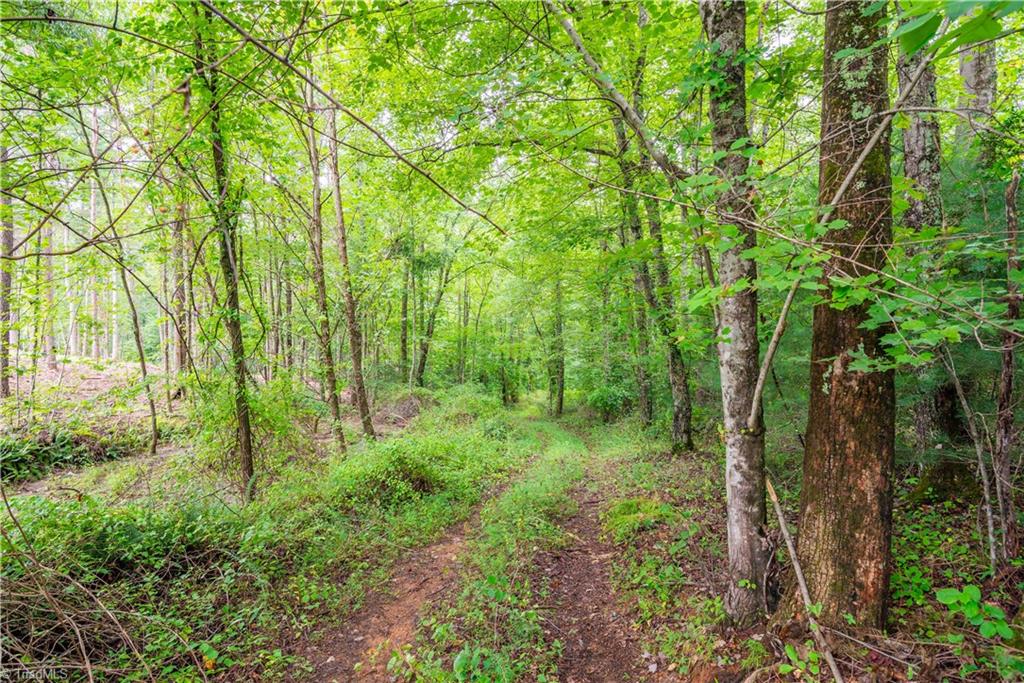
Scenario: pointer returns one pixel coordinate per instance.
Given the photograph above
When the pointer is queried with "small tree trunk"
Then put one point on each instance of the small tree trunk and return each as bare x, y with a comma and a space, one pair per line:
1002, 460
645, 397
323, 326
226, 217
978, 72
403, 341
6, 277
94, 294
921, 150
50, 342
738, 355
355, 338
428, 333
139, 349
558, 340
846, 497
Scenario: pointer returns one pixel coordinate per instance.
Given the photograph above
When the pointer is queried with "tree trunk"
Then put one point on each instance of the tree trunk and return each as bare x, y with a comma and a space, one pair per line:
403, 341
1002, 461
921, 150
978, 72
738, 352
49, 342
460, 370
355, 338
323, 326
428, 333
846, 497
558, 351
6, 278
226, 217
645, 397
181, 271
659, 302
139, 349
178, 299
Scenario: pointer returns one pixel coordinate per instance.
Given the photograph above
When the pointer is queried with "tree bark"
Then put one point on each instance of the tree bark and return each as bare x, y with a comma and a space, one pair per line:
354, 334
978, 73
846, 497
921, 149
738, 351
6, 277
323, 325
1002, 460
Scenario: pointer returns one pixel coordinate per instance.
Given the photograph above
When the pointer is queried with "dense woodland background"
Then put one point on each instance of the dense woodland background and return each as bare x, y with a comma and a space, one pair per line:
334, 334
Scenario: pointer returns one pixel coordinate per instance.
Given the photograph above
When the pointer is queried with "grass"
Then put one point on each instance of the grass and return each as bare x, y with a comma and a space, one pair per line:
663, 517
203, 584
490, 629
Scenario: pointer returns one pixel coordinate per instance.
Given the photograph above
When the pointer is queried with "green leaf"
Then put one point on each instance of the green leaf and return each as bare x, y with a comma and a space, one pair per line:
916, 33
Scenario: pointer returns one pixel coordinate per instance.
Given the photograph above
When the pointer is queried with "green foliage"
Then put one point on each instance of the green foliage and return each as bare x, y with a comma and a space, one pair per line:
312, 543
803, 660
492, 632
609, 400
626, 518
989, 619
27, 455
991, 624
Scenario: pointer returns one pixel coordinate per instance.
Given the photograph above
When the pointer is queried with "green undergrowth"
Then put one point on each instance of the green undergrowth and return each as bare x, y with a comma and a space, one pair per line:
662, 516
202, 584
32, 453
490, 629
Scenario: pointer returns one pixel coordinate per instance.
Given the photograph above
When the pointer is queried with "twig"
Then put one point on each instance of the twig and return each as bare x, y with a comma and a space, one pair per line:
816, 631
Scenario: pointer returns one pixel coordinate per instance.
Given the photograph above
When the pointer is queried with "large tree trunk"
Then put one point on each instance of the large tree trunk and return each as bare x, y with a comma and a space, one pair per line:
323, 327
6, 278
738, 353
846, 497
354, 334
1002, 460
226, 217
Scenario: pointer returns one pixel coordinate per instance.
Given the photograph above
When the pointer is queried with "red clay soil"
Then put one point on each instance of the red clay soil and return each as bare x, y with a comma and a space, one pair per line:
359, 650
599, 644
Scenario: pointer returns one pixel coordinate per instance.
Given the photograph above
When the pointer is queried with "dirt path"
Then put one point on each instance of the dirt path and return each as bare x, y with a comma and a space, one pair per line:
360, 649
599, 645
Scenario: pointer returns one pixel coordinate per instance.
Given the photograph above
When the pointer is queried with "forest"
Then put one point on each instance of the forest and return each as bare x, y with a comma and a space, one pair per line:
511, 340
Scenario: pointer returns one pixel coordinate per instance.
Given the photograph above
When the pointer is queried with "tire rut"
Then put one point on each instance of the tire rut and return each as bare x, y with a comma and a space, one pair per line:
360, 648
599, 646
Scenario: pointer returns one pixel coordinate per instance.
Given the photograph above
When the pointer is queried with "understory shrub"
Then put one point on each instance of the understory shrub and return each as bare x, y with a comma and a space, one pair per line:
205, 583
26, 455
